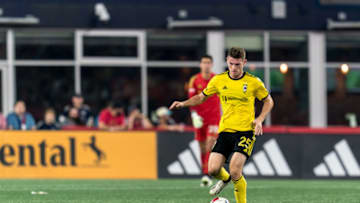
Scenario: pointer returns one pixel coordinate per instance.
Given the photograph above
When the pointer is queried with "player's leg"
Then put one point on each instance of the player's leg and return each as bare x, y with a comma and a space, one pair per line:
218, 156
216, 162
236, 167
216, 169
209, 144
211, 136
200, 136
205, 179
244, 143
204, 156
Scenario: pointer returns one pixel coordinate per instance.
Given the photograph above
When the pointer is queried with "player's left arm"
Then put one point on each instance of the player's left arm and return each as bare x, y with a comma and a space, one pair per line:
268, 105
262, 94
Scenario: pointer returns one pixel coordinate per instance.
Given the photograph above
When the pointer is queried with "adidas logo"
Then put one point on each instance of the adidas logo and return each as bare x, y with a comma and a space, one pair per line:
225, 88
340, 162
268, 162
188, 161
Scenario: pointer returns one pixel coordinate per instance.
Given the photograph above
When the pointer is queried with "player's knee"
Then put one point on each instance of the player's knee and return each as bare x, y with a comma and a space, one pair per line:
235, 173
213, 171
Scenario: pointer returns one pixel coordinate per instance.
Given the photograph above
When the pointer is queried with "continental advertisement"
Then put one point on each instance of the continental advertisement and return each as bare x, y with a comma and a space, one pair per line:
78, 154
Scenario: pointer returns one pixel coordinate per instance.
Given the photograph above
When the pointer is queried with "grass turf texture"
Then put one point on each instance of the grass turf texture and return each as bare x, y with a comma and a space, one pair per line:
176, 191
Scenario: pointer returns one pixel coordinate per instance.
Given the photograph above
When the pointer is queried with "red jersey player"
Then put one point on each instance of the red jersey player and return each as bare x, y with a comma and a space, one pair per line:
205, 116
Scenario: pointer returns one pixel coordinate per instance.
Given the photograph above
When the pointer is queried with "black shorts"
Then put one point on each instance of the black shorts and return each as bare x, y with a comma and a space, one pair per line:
242, 142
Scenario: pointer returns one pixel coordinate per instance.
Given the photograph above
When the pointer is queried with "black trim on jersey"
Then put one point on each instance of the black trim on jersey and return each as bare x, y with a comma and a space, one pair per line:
237, 78
265, 97
205, 94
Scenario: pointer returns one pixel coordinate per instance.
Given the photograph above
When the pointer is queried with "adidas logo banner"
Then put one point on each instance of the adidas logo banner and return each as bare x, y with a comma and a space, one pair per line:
188, 161
339, 162
178, 155
274, 156
269, 161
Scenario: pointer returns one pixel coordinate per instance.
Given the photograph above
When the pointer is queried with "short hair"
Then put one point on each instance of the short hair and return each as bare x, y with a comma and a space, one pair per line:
19, 101
206, 56
77, 95
237, 52
50, 110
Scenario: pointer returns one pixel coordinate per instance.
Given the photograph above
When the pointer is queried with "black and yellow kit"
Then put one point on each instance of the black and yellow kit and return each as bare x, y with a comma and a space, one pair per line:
237, 97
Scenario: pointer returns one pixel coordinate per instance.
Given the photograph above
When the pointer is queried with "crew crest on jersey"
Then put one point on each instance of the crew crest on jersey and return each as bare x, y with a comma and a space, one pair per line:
245, 87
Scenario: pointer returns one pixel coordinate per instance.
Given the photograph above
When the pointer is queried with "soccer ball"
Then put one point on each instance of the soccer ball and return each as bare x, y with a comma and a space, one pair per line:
219, 200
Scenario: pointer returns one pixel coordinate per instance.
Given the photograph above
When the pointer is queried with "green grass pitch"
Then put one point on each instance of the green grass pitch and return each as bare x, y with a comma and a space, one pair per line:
176, 191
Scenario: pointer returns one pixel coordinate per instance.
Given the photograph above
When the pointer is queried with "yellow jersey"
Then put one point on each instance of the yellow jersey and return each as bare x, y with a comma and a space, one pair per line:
237, 98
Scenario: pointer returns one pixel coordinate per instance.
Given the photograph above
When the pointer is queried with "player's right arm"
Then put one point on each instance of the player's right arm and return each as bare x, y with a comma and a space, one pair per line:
193, 101
199, 98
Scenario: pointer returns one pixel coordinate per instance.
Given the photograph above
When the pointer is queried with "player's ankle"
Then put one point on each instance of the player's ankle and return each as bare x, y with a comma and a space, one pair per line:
228, 180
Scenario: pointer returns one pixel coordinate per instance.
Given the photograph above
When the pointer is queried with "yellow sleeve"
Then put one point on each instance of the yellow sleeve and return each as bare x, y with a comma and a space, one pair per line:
261, 92
211, 87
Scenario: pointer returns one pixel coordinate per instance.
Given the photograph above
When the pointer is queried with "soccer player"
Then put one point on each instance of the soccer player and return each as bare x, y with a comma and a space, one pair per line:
238, 127
205, 116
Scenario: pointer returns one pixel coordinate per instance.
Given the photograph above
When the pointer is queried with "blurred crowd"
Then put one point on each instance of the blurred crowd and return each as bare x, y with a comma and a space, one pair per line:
78, 115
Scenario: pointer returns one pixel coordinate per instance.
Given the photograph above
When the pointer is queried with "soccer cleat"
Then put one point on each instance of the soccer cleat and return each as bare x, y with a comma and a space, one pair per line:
218, 187
206, 181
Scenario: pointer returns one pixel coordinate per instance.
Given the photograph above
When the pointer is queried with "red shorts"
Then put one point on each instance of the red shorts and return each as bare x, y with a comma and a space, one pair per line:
206, 130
